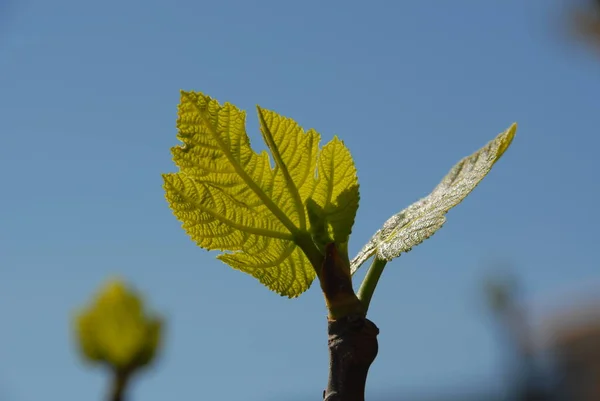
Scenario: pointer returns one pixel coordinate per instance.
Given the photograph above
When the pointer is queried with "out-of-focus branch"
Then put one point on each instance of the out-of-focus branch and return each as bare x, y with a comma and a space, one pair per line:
119, 385
585, 22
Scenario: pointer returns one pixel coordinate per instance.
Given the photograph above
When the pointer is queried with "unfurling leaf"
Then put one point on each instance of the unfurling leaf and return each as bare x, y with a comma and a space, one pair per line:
116, 330
423, 218
333, 221
229, 198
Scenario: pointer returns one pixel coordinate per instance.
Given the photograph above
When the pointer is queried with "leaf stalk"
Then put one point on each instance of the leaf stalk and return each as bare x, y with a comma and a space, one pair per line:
367, 287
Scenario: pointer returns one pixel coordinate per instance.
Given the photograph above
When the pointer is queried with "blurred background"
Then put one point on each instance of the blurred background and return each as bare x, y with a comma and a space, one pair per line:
502, 304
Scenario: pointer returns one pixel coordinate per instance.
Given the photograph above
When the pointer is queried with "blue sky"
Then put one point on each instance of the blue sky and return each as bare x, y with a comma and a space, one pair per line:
88, 93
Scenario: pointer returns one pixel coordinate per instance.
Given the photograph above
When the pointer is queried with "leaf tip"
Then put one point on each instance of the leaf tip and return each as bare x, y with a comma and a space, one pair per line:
506, 139
166, 177
183, 94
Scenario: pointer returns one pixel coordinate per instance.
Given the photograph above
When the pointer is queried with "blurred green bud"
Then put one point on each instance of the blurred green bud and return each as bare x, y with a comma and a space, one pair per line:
115, 329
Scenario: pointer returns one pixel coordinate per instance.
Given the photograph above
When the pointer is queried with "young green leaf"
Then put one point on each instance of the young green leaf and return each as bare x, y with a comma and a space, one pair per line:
334, 202
229, 198
422, 219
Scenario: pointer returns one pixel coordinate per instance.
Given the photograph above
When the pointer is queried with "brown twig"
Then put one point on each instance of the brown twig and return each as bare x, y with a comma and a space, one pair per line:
352, 349
352, 341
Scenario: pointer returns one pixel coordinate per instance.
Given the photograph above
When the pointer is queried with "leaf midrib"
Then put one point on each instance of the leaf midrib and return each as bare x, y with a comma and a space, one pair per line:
292, 188
277, 212
251, 230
